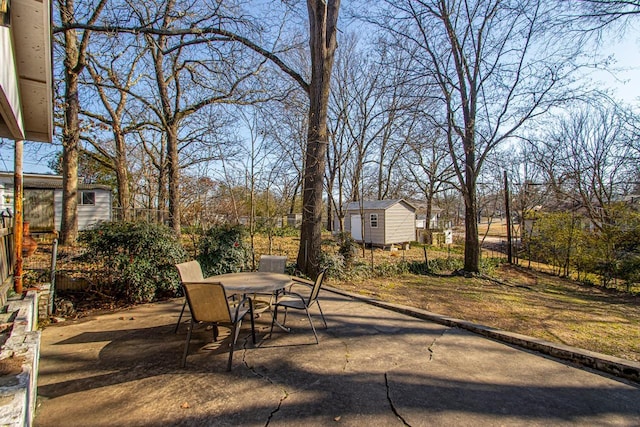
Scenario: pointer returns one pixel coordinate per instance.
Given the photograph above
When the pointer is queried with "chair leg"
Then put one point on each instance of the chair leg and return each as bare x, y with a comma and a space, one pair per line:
253, 324
322, 315
186, 346
180, 318
273, 319
235, 331
313, 328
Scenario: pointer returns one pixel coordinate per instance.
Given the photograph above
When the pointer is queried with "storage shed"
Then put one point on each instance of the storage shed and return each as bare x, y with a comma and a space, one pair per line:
43, 201
386, 222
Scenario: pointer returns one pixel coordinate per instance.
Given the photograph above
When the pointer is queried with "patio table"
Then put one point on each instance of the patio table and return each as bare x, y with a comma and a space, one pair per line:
252, 282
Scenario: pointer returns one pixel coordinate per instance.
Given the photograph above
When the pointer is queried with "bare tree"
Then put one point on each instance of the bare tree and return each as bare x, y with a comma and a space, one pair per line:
589, 161
323, 20
323, 17
112, 86
75, 44
496, 68
189, 75
429, 165
599, 14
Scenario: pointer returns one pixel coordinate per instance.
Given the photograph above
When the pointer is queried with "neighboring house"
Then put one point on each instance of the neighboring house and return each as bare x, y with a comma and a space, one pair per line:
386, 222
421, 215
43, 201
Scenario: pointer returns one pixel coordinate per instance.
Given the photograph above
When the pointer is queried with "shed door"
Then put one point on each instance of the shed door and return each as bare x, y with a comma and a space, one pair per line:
356, 227
38, 209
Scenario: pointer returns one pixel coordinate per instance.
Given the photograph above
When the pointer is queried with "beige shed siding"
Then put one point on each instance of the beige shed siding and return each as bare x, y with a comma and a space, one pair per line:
396, 224
400, 224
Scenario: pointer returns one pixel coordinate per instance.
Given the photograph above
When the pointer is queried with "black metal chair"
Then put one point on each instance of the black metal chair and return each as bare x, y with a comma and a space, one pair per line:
299, 302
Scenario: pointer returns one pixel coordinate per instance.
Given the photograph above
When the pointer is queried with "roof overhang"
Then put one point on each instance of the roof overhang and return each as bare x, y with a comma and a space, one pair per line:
26, 79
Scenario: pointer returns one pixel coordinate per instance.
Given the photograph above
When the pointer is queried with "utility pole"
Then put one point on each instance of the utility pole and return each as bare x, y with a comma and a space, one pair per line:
508, 214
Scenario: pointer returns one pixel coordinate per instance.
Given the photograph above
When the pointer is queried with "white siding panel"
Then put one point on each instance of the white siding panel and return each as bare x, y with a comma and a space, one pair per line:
400, 224
89, 215
57, 208
375, 235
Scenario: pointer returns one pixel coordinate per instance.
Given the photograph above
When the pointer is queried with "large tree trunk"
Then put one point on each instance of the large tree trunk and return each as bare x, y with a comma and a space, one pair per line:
74, 63
174, 179
70, 133
122, 176
471, 240
323, 17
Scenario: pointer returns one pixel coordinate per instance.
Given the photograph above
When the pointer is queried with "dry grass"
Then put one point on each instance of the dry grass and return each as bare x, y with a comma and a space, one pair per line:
519, 300
527, 302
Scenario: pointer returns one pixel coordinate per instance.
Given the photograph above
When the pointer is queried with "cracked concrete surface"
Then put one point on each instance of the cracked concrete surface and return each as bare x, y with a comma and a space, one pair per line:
372, 367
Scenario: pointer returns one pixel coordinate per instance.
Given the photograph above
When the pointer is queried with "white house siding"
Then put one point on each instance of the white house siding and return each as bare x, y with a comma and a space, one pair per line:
88, 215
400, 224
57, 208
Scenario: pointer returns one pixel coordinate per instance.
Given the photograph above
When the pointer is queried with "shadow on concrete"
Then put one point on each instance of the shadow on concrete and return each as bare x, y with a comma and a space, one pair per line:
371, 366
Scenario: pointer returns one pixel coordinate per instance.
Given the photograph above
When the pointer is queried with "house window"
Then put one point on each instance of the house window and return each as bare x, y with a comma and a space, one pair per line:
373, 220
87, 198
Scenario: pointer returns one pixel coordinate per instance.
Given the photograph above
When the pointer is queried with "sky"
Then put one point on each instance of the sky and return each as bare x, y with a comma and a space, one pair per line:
627, 57
625, 85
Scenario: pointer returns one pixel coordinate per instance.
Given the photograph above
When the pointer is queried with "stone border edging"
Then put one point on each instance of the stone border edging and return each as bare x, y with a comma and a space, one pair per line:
612, 365
18, 395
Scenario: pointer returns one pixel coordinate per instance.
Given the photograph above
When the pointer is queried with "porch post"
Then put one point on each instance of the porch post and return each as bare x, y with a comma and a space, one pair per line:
17, 215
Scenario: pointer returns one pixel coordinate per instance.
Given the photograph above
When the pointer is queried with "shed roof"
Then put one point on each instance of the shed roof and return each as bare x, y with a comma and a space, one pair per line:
46, 181
378, 204
46, 185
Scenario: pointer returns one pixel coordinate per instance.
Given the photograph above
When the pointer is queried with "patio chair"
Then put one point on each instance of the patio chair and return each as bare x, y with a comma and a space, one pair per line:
189, 272
299, 302
268, 264
209, 304
272, 264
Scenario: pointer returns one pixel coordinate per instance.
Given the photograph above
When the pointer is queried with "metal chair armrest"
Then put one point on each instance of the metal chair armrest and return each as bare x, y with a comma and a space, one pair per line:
244, 300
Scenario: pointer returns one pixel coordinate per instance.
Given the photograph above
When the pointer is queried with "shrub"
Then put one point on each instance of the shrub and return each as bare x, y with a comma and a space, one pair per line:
347, 247
334, 264
490, 264
223, 250
139, 259
389, 269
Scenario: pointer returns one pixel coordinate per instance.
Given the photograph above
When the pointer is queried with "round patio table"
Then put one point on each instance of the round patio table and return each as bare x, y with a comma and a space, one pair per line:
252, 282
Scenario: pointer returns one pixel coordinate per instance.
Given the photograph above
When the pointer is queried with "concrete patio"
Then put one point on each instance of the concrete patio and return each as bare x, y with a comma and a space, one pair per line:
373, 367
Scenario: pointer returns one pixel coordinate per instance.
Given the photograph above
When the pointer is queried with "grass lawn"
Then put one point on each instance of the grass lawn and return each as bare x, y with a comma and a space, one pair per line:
526, 302
518, 300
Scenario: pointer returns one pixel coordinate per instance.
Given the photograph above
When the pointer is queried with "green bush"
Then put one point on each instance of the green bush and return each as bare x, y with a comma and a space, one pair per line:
347, 247
223, 250
333, 264
390, 269
139, 259
490, 264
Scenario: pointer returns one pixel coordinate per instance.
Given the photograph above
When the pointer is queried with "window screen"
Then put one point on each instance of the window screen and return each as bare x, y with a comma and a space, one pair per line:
88, 198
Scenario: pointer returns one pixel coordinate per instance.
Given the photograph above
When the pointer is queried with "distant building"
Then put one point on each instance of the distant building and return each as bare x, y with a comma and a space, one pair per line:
43, 201
381, 222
